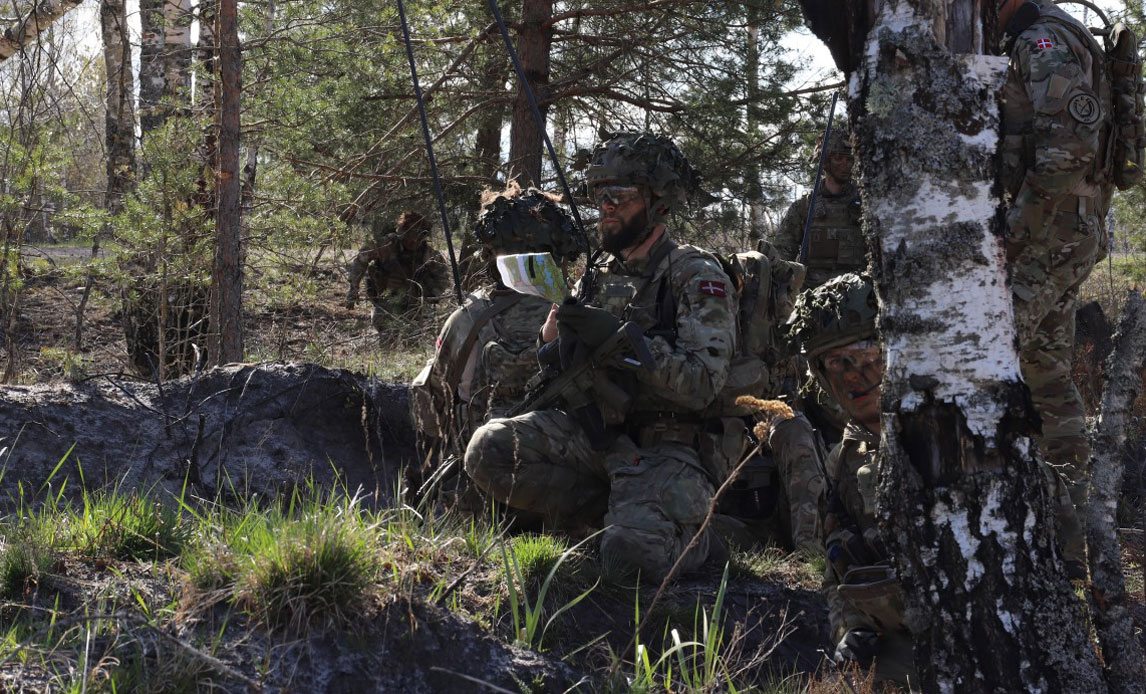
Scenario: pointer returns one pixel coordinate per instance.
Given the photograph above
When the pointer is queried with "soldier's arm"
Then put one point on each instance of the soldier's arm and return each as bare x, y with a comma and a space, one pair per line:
356, 270
788, 235
1067, 114
690, 373
432, 400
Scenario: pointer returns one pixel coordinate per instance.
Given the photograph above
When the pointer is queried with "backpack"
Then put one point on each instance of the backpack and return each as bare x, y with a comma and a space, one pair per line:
1128, 139
1117, 63
765, 287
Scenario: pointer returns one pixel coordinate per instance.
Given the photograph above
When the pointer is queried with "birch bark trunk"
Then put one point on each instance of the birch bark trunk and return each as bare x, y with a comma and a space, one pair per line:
961, 495
27, 29
119, 120
151, 86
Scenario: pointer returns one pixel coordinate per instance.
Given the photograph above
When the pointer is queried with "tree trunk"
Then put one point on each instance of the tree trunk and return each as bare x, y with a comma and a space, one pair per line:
227, 277
525, 138
1121, 654
177, 51
151, 39
487, 143
28, 28
961, 496
120, 118
755, 192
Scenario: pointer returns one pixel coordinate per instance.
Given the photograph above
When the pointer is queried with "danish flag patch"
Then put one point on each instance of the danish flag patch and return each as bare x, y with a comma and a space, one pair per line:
713, 288
1043, 44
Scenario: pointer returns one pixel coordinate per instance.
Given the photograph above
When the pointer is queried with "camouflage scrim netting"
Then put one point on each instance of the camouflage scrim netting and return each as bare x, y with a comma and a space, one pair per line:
839, 312
647, 160
530, 222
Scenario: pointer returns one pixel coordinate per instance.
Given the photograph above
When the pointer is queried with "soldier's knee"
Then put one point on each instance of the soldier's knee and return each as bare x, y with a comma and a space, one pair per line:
647, 550
486, 454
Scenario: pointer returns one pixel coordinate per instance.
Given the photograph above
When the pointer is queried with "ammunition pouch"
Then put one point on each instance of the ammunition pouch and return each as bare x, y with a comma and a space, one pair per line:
755, 491
874, 593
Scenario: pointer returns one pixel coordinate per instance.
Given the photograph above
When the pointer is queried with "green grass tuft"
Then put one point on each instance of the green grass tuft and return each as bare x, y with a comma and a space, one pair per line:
129, 527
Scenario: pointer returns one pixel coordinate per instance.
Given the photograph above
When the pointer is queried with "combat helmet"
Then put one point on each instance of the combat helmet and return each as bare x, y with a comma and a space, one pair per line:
528, 221
648, 160
839, 312
839, 142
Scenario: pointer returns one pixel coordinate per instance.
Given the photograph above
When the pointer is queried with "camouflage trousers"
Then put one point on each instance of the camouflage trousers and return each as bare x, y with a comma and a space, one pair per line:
1045, 278
793, 444
653, 499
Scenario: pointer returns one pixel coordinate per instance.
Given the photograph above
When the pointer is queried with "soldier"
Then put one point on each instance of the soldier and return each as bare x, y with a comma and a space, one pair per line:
835, 240
1055, 123
835, 324
632, 457
400, 266
487, 349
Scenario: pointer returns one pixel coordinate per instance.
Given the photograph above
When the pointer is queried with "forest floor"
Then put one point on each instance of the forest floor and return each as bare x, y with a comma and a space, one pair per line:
203, 615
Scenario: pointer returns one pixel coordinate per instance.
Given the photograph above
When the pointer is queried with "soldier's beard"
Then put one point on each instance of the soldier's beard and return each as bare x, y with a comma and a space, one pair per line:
628, 235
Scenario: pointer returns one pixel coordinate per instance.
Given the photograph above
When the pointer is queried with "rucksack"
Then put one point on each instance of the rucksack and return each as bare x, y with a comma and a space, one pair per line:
1121, 65
1128, 137
765, 287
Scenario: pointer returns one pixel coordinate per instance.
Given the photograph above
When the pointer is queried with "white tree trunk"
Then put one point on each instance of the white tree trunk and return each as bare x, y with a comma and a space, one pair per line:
25, 30
177, 50
961, 495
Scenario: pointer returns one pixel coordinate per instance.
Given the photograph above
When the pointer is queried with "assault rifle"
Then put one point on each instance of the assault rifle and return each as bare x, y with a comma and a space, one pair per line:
580, 387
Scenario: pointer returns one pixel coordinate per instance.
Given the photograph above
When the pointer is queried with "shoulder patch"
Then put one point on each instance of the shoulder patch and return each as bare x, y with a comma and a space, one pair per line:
1084, 108
713, 288
1043, 43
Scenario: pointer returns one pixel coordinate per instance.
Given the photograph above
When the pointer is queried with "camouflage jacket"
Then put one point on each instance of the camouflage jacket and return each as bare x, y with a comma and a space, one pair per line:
835, 243
693, 346
393, 268
859, 584
490, 375
1055, 120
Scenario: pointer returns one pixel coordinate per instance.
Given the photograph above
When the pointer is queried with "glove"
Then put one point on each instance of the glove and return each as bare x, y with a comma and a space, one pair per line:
857, 645
591, 326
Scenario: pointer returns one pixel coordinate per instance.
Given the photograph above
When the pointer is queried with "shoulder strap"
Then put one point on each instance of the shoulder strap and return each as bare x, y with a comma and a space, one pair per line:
501, 304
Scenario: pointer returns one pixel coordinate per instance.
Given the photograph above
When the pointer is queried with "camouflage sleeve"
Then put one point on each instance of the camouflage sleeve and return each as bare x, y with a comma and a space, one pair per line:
788, 235
1055, 69
432, 404
689, 374
356, 268
840, 617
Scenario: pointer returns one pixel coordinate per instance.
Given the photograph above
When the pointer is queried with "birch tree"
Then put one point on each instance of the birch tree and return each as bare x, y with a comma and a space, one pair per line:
120, 115
26, 29
961, 495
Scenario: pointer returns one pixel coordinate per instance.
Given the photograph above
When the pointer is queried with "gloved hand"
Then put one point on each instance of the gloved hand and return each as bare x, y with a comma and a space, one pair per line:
858, 645
591, 326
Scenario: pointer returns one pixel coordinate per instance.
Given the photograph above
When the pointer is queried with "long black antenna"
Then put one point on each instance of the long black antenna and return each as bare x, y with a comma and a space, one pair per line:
430, 153
816, 186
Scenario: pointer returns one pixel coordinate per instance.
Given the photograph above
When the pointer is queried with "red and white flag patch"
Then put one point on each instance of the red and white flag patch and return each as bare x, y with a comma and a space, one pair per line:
713, 288
1043, 44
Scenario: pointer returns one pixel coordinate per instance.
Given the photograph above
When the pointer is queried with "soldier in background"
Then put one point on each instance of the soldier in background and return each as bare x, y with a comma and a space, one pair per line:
401, 268
487, 350
835, 240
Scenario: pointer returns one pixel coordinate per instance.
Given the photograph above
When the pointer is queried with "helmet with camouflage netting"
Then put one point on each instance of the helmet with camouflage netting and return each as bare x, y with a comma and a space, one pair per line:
648, 160
839, 312
839, 142
529, 221
412, 227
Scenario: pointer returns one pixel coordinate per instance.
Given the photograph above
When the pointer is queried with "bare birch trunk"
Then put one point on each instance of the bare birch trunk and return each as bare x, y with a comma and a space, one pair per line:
1121, 655
227, 277
120, 117
27, 29
177, 51
525, 141
961, 495
151, 65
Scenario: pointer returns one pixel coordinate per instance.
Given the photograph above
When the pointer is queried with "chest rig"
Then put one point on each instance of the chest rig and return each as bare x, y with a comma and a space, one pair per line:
646, 299
835, 240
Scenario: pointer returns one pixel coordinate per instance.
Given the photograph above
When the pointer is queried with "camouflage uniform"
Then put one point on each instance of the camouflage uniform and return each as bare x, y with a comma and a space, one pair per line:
865, 599
835, 238
650, 483
397, 279
836, 243
1055, 128
490, 376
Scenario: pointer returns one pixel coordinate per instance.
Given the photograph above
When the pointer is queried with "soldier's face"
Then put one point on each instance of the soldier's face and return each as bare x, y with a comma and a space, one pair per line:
624, 216
853, 373
839, 167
